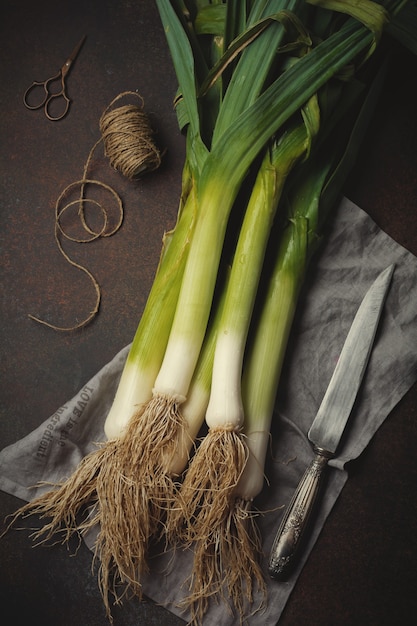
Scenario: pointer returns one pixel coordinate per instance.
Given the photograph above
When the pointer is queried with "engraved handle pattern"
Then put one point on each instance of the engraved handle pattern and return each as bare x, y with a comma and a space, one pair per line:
295, 520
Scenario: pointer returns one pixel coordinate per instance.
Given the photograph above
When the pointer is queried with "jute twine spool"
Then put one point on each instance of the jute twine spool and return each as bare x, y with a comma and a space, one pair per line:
128, 141
128, 144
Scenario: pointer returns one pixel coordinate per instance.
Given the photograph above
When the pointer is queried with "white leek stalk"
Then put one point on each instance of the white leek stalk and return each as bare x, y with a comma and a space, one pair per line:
148, 347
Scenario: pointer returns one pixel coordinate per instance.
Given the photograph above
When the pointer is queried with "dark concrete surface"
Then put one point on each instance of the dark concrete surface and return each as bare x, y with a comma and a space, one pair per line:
362, 570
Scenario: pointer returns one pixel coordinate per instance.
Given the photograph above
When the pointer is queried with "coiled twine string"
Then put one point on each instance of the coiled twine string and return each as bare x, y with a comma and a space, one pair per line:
128, 143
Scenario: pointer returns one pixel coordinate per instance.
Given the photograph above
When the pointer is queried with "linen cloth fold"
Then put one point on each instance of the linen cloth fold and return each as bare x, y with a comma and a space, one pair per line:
354, 253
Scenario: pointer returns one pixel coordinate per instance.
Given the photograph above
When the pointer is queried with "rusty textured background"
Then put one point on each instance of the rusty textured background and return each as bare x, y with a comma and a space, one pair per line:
363, 568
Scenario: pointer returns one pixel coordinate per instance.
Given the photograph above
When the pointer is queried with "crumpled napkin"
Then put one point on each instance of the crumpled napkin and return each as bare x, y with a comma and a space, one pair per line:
355, 251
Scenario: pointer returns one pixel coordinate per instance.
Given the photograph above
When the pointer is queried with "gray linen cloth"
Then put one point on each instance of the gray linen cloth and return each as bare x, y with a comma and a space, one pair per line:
354, 253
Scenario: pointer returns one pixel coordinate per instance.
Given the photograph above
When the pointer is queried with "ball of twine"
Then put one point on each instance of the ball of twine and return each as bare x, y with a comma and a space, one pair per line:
128, 138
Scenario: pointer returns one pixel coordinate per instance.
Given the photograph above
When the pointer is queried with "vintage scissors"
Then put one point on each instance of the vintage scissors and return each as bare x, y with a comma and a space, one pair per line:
32, 97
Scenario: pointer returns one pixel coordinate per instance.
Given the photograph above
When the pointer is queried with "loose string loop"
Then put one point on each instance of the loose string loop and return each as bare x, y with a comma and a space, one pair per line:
128, 144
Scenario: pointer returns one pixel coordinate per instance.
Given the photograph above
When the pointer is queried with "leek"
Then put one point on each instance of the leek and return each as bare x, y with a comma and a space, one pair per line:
205, 488
110, 489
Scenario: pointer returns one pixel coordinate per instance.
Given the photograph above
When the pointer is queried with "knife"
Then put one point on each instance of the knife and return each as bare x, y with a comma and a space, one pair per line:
329, 424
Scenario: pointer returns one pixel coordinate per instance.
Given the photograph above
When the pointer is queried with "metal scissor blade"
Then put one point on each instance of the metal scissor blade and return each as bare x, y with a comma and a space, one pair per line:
330, 421
72, 56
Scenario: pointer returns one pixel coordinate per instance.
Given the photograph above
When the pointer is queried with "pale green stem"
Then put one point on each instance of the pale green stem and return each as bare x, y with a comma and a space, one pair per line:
194, 408
264, 361
225, 408
151, 337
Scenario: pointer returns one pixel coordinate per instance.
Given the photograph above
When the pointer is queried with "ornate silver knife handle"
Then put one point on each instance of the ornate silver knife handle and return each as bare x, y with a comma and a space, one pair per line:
295, 520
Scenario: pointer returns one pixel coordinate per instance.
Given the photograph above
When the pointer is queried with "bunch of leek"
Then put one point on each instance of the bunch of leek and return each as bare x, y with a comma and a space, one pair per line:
259, 89
225, 474
226, 541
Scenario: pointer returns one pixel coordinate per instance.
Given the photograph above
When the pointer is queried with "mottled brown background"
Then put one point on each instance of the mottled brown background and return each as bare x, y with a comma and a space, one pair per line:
363, 568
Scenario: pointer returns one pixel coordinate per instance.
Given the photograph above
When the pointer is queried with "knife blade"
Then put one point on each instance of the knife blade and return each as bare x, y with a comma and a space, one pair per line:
329, 424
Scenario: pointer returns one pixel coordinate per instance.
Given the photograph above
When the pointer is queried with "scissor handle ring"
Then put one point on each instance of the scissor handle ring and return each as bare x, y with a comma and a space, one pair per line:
38, 105
48, 101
